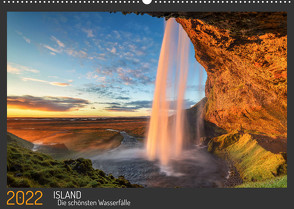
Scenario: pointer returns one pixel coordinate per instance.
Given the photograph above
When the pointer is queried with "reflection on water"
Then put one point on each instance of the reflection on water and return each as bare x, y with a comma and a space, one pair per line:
195, 168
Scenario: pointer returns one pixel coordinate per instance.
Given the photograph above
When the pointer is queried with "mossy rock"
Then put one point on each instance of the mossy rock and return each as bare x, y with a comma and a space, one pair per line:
34, 169
252, 161
278, 182
18, 182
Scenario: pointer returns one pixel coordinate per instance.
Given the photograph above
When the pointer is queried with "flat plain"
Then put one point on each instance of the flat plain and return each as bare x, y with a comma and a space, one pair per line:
77, 134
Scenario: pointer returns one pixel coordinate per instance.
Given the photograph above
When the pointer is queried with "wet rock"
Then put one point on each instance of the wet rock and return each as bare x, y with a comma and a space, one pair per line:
204, 140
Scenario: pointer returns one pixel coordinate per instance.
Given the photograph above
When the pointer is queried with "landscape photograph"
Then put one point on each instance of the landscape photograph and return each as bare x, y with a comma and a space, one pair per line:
147, 100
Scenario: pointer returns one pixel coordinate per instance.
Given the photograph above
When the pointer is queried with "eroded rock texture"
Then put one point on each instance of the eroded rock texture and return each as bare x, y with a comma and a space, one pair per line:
245, 56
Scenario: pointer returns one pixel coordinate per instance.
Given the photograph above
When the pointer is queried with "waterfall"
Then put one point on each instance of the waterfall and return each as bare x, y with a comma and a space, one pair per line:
166, 134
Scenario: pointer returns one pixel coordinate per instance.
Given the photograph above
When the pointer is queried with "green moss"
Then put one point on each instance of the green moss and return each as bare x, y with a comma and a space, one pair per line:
252, 161
32, 169
223, 141
21, 142
278, 182
20, 182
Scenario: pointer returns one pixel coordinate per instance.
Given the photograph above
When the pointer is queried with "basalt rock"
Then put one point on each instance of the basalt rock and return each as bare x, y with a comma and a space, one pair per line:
245, 57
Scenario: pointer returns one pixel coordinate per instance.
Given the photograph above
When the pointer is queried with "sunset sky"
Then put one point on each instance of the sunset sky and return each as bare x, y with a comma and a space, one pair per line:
86, 64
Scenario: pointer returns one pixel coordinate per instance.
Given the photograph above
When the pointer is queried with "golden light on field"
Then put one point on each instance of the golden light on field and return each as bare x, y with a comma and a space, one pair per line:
13, 111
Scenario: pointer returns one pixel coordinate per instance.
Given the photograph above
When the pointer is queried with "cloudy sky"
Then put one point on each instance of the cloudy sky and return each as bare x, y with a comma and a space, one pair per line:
86, 64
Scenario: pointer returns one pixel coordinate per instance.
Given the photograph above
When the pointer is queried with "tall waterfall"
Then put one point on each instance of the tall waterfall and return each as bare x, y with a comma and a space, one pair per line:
166, 132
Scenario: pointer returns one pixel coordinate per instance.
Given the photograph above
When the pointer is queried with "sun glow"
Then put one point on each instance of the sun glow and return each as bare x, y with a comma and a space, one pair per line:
13, 111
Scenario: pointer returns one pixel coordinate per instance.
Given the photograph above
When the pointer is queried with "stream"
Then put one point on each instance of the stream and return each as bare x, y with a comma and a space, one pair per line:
196, 168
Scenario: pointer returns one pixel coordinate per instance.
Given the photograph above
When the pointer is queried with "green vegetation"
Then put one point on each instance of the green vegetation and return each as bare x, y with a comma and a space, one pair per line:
19, 141
32, 169
253, 162
278, 182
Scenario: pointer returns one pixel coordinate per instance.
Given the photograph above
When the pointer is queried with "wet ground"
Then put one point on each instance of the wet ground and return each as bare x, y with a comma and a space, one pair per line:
196, 168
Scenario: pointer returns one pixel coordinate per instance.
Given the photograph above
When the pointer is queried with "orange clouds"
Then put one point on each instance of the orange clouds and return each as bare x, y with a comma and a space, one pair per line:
59, 84
43, 81
57, 104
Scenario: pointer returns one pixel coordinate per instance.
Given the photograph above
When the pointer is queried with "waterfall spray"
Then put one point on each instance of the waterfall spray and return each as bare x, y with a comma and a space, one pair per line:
200, 117
183, 55
165, 136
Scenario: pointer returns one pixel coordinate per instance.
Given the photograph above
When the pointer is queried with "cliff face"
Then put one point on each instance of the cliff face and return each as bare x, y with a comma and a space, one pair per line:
245, 56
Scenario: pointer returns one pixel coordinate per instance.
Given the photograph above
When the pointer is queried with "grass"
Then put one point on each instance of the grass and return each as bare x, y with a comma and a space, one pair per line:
278, 182
32, 169
253, 162
23, 143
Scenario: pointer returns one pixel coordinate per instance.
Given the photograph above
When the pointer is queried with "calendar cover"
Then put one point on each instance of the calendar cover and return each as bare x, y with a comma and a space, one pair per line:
145, 104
